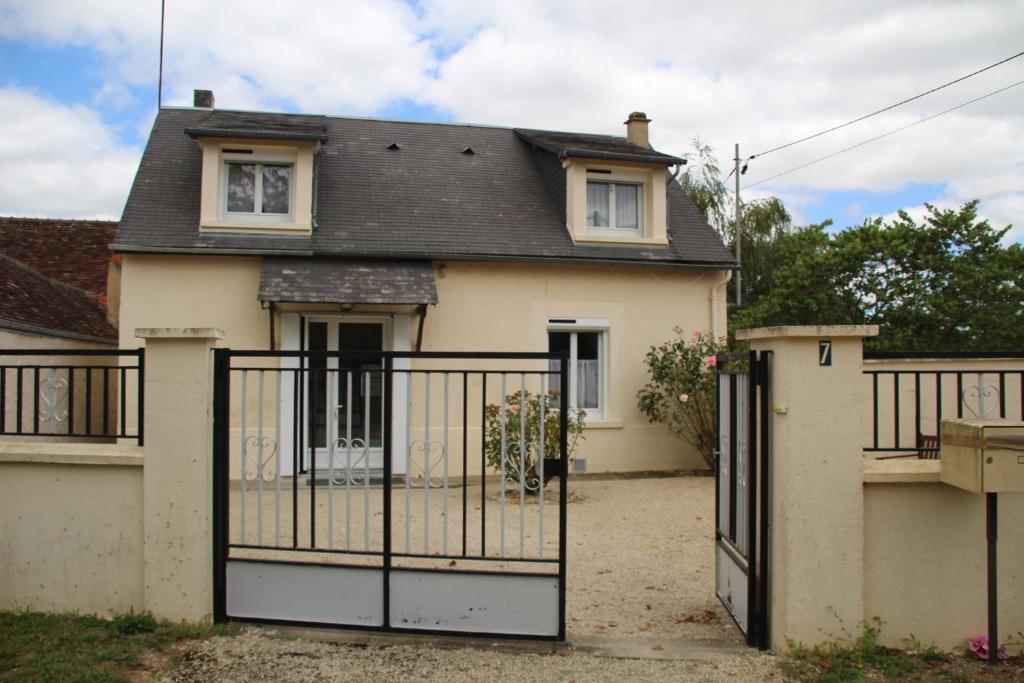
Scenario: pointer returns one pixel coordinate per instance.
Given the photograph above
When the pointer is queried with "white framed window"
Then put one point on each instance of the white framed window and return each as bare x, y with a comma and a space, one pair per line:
257, 185
587, 344
615, 202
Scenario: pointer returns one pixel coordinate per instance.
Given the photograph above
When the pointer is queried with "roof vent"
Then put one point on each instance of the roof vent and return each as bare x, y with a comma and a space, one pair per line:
394, 146
468, 150
202, 99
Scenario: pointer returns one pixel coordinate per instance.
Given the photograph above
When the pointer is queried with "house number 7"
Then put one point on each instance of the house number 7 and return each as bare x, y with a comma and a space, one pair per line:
824, 353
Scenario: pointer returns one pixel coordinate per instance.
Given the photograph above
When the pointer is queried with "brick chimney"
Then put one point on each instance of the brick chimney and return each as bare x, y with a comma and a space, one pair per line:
636, 129
202, 99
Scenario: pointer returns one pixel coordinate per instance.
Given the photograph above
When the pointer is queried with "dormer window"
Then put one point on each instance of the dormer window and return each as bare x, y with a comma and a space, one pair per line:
257, 189
256, 186
615, 204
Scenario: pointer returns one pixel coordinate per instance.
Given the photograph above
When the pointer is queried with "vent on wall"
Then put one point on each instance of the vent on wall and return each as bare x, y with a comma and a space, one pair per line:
394, 146
579, 465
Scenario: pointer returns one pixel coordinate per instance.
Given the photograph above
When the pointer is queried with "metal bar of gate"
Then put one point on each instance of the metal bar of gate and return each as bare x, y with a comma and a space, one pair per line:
753, 378
765, 521
563, 491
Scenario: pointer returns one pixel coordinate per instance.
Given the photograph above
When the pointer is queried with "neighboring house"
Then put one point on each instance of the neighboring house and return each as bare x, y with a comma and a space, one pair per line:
57, 279
295, 231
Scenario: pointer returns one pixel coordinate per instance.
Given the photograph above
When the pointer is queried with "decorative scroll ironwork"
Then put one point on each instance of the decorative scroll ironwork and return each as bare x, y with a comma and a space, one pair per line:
52, 393
357, 458
426, 457
980, 394
529, 475
259, 452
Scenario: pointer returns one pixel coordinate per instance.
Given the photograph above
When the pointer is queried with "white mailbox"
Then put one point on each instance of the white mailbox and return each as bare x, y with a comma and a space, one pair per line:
983, 456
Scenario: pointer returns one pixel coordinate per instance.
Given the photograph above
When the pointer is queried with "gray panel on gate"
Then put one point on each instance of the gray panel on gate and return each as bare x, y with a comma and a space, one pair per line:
732, 587
491, 603
311, 593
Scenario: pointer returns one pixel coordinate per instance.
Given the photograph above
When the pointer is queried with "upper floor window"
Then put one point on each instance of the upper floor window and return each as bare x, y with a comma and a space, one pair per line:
258, 189
615, 202
256, 186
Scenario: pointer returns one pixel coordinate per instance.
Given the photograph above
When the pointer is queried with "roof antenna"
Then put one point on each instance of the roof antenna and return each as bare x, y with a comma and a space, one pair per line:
160, 78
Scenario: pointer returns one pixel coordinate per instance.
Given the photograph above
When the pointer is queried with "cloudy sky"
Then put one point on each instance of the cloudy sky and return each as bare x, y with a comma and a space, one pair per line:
78, 86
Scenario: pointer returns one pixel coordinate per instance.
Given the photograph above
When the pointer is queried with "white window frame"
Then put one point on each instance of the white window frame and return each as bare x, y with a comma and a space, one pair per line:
574, 326
595, 175
258, 158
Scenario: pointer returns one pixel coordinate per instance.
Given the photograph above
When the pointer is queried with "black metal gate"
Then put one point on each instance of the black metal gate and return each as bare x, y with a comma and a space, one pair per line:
741, 491
347, 490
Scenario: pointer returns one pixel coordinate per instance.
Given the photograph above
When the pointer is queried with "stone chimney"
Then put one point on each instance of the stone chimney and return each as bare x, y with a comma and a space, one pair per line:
636, 129
203, 99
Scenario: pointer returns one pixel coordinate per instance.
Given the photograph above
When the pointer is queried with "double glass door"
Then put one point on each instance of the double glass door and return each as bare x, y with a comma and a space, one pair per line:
344, 401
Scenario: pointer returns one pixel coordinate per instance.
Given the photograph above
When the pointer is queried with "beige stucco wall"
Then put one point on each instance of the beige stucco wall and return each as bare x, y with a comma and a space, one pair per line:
482, 307
924, 563
71, 527
817, 514
505, 307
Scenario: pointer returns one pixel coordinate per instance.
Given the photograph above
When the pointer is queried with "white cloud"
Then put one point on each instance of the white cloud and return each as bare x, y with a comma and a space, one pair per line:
756, 73
60, 161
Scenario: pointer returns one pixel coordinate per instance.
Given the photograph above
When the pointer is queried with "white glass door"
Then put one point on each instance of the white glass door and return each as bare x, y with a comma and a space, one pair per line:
344, 401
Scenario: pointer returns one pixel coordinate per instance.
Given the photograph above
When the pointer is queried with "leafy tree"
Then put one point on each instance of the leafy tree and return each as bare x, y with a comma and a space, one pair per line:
946, 283
702, 181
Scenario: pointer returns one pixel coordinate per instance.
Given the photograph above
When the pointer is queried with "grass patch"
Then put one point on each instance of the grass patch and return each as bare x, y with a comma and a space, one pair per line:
863, 659
70, 647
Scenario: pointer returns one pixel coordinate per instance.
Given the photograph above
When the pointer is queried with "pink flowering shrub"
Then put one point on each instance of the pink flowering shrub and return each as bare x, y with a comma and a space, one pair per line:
681, 390
522, 414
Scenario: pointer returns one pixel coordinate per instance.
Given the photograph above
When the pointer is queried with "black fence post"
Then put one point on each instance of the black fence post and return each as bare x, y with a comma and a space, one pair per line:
221, 444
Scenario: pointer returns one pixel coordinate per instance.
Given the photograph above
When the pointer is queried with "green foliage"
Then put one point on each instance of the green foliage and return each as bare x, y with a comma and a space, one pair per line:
702, 181
127, 623
71, 647
862, 659
945, 284
519, 417
681, 390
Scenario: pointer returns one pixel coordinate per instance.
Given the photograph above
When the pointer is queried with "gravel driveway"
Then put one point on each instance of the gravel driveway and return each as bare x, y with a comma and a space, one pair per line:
641, 576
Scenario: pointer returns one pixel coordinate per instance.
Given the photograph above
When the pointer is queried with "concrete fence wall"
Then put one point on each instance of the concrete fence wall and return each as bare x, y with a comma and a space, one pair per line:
854, 538
71, 527
102, 528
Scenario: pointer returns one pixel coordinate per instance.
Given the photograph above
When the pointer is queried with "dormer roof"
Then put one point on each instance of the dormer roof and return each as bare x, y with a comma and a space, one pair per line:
567, 145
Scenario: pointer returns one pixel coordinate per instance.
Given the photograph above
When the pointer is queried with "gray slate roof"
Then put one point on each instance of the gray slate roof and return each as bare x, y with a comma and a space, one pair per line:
307, 280
426, 200
594, 146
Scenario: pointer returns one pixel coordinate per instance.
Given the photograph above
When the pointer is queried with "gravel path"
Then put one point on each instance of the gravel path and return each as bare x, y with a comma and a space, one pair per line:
641, 566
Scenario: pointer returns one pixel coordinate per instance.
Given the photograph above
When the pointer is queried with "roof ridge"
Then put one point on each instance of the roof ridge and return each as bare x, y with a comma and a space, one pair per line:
38, 219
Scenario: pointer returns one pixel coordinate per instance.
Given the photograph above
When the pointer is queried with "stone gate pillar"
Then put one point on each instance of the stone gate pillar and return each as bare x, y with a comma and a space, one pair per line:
177, 473
818, 406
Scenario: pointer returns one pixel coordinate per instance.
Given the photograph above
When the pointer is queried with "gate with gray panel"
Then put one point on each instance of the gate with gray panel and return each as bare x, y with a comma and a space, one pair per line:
741, 491
340, 497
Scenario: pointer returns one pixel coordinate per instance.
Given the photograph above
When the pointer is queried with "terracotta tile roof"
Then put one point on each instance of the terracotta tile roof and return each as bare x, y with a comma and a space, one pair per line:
33, 302
75, 252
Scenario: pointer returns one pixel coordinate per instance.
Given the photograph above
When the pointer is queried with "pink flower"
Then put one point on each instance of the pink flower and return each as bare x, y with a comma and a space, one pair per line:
712, 361
696, 333
683, 398
979, 646
512, 408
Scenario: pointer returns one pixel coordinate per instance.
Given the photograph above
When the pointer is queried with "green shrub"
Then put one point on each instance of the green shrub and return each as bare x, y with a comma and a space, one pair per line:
521, 415
681, 390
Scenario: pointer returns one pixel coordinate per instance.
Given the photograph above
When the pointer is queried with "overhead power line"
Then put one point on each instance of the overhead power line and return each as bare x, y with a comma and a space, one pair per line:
885, 109
884, 135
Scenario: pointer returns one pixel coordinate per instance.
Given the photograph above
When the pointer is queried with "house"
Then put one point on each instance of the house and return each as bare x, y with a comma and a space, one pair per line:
58, 283
293, 231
